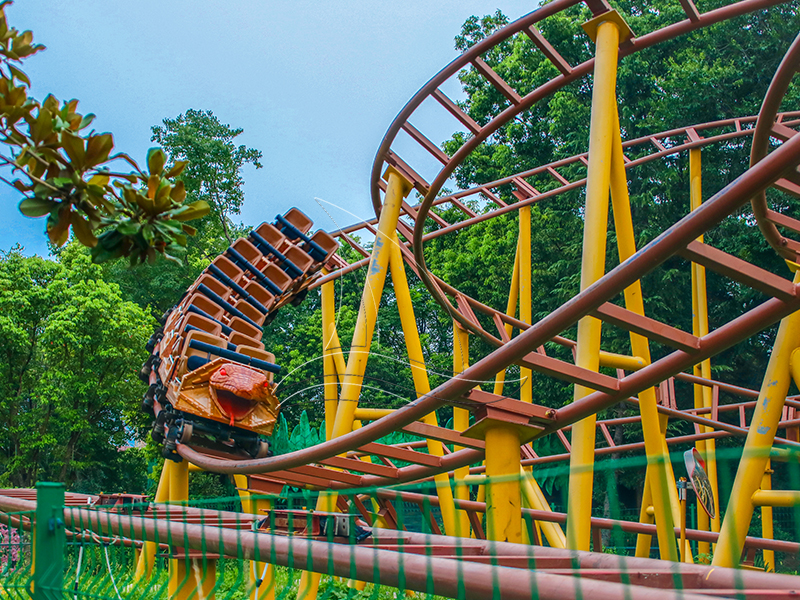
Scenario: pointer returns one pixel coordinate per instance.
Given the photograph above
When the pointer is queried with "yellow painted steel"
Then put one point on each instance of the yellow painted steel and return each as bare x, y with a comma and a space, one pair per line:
511, 310
592, 268
760, 437
766, 520
659, 468
261, 574
702, 393
397, 188
419, 373
503, 499
644, 540
525, 311
146, 560
534, 497
621, 361
371, 414
461, 423
181, 583
786, 498
682, 545
330, 378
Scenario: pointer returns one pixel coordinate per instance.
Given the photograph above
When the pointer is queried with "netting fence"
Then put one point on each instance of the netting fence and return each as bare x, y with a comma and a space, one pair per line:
373, 543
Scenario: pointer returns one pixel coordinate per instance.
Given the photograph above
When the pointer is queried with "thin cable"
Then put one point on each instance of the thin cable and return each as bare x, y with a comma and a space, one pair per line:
110, 574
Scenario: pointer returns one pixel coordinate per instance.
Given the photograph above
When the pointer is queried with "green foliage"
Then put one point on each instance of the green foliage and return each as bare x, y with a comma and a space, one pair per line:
70, 348
67, 172
214, 171
213, 175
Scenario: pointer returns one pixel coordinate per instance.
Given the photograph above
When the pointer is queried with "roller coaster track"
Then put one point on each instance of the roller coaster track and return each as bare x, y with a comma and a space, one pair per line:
240, 290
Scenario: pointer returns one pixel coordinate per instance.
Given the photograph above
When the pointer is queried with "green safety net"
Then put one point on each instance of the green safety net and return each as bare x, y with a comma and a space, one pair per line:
103, 556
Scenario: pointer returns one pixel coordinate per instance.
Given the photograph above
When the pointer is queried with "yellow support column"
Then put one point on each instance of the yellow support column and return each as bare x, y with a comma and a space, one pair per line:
261, 574
760, 437
181, 583
397, 189
147, 557
511, 310
330, 379
658, 464
534, 497
525, 311
503, 498
702, 393
581, 474
766, 520
419, 373
461, 423
644, 540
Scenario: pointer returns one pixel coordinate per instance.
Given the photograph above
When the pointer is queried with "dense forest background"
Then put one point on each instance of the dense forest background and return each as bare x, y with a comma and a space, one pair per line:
72, 333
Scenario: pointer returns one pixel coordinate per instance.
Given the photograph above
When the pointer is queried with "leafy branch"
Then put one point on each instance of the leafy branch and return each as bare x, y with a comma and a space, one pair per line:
65, 171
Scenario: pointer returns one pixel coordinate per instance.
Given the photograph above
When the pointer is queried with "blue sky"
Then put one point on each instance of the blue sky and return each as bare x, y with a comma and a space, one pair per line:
314, 85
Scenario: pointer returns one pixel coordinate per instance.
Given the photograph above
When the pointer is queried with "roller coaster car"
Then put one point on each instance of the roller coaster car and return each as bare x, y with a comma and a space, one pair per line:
210, 378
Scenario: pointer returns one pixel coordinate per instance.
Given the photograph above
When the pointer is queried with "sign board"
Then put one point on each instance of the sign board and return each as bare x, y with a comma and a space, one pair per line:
695, 467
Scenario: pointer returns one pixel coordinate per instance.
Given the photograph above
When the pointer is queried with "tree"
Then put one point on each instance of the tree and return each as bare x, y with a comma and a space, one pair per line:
215, 163
212, 175
71, 349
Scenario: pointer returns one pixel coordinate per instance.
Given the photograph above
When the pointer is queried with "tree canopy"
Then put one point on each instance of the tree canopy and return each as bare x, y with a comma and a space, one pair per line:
71, 347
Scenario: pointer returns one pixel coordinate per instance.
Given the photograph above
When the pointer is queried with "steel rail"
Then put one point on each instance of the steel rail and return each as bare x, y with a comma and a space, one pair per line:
426, 574
529, 100
766, 119
646, 259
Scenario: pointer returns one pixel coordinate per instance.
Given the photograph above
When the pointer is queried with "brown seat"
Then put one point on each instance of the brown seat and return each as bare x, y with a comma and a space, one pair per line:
277, 276
237, 338
250, 311
212, 283
272, 235
299, 258
227, 266
259, 293
246, 328
298, 218
200, 322
248, 251
260, 354
326, 241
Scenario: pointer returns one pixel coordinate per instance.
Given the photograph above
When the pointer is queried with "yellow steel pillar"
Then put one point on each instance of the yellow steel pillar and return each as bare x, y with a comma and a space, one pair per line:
461, 423
397, 189
147, 557
511, 310
645, 540
702, 393
534, 497
330, 379
525, 312
766, 520
503, 499
419, 374
658, 463
760, 437
579, 508
182, 582
261, 574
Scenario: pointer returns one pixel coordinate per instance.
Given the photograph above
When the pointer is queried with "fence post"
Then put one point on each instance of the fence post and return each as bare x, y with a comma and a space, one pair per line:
49, 541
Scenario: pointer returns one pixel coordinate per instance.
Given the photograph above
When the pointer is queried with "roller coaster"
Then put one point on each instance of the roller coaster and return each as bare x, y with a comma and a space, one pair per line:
214, 404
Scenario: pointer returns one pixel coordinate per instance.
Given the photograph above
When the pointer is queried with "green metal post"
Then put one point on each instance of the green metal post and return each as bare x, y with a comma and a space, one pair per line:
49, 542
